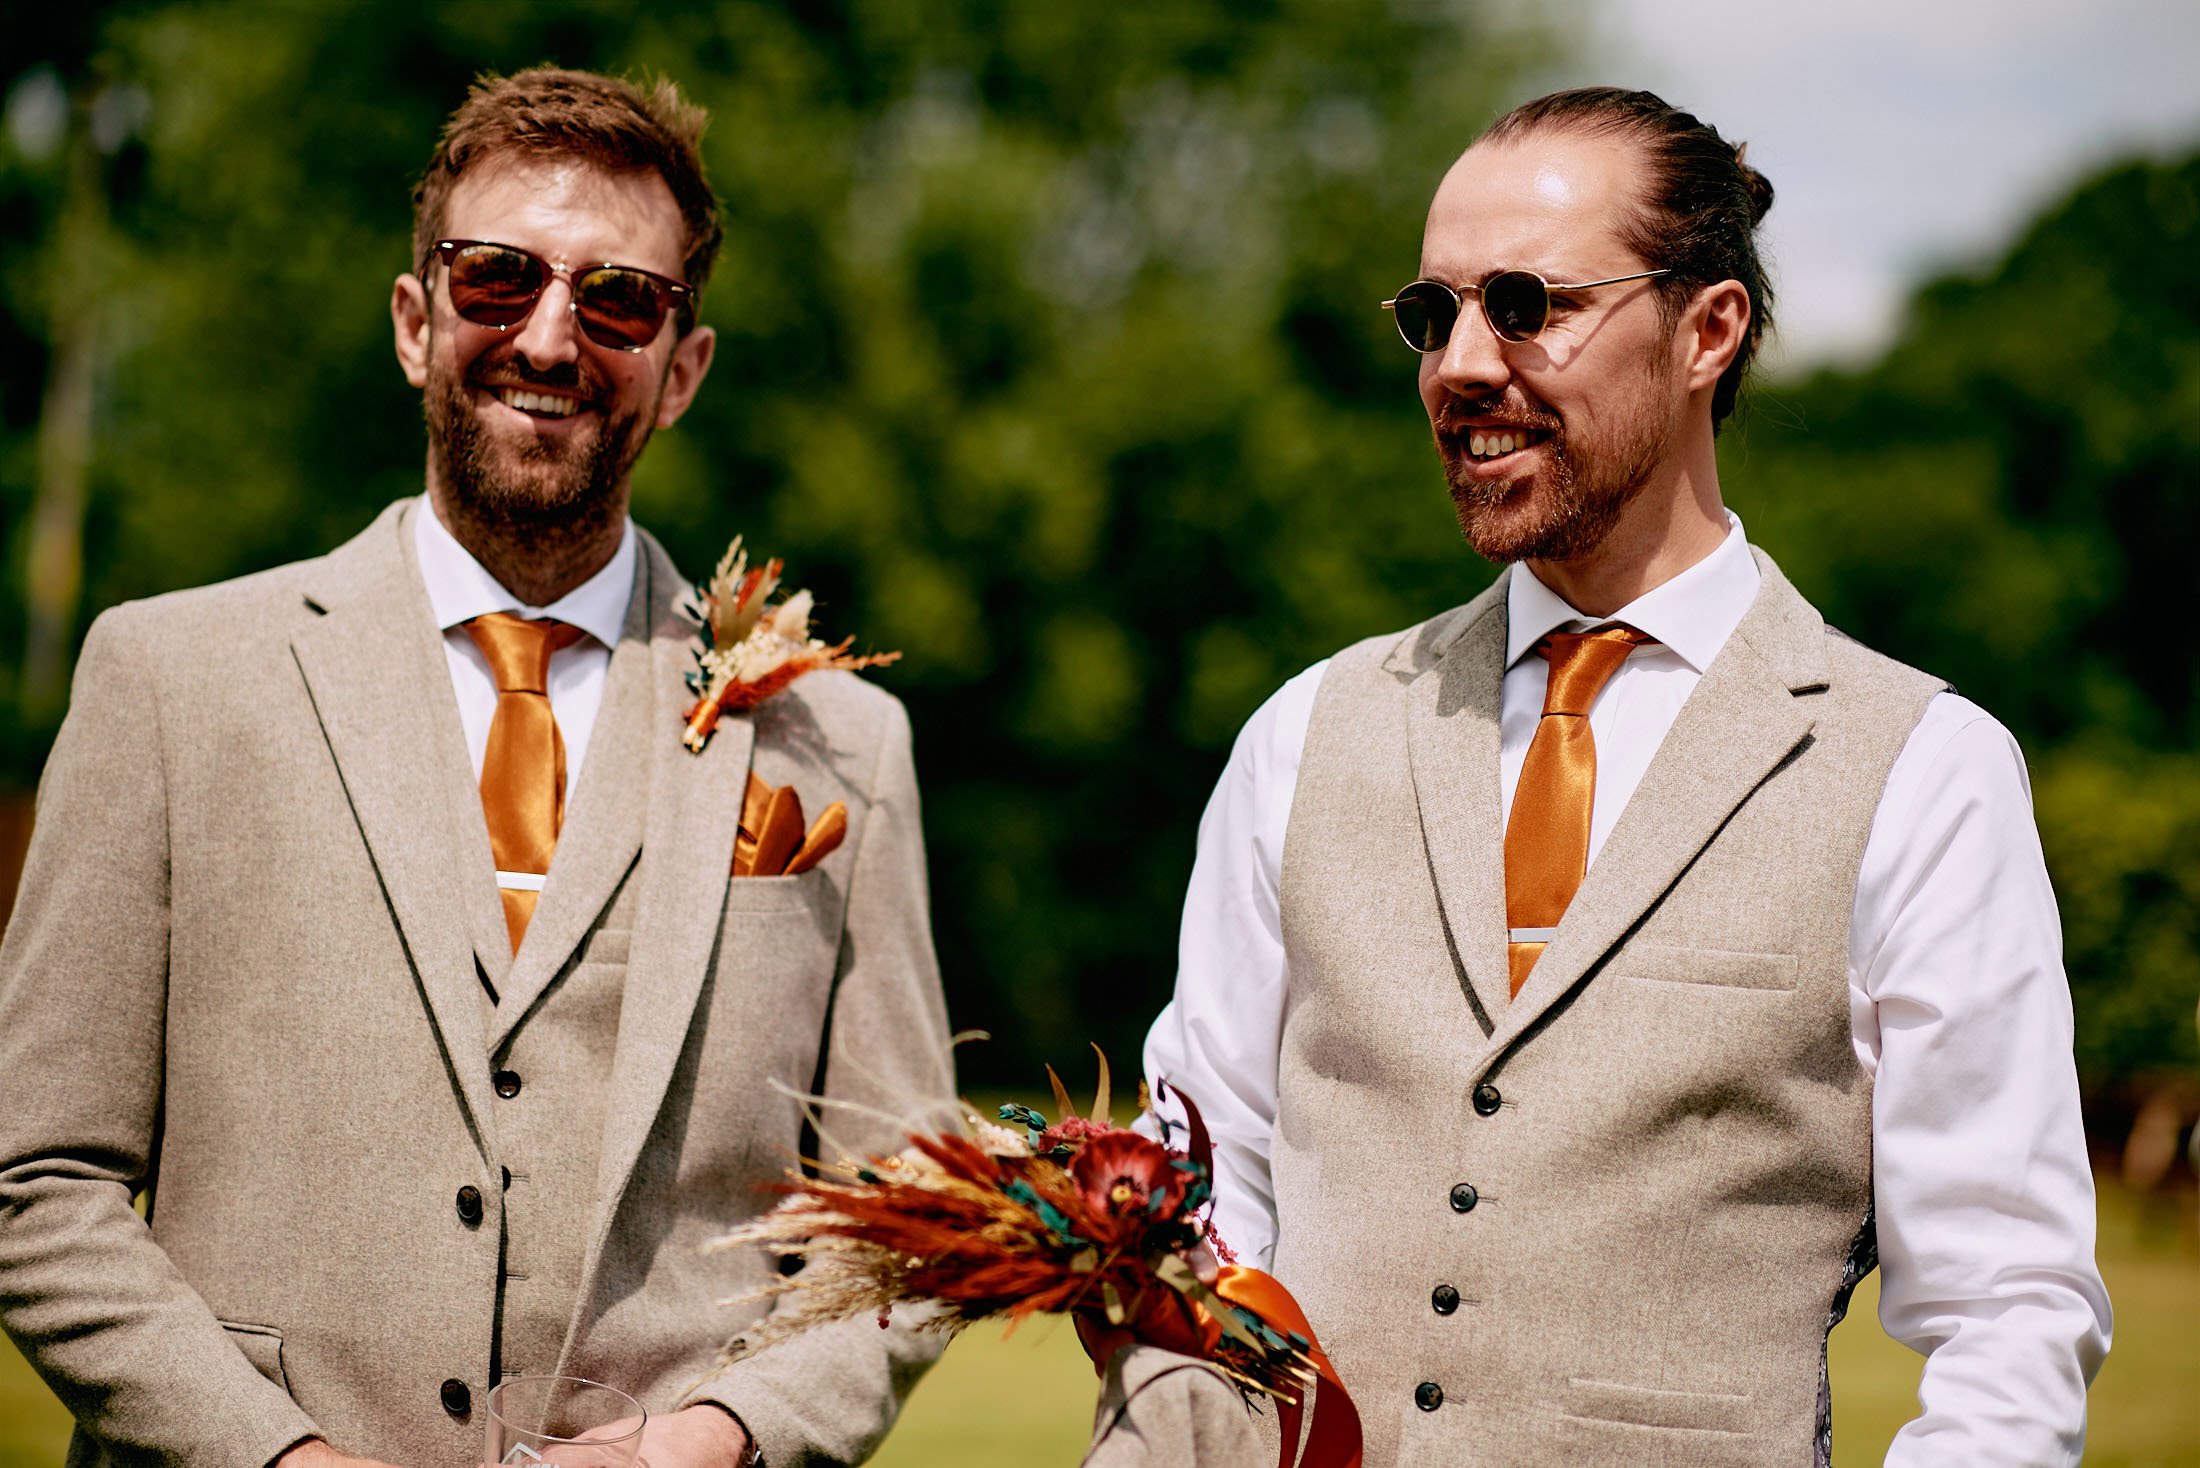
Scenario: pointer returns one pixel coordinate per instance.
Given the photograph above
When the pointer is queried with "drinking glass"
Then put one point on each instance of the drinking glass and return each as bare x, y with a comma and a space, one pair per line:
564, 1420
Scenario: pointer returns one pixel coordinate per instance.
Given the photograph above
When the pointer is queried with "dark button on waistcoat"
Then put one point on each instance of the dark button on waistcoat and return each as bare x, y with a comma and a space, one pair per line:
1464, 1197
1428, 1396
1444, 1299
469, 1207
1486, 1100
506, 1082
457, 1399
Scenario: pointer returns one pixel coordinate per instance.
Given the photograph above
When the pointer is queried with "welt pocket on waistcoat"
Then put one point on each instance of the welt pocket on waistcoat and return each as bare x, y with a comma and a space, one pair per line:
1724, 968
1642, 1406
774, 894
262, 1346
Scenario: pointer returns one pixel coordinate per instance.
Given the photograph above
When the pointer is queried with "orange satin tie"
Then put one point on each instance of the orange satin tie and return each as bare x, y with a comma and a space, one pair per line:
523, 768
1547, 838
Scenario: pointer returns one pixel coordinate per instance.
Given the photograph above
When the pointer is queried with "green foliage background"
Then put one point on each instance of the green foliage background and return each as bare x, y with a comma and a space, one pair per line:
1048, 355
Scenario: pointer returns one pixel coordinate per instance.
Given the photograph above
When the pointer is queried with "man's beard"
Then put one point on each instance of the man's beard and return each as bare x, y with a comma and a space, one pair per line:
556, 492
1566, 507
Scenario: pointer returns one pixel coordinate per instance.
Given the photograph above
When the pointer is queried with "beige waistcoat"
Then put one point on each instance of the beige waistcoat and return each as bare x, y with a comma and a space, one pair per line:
1664, 1141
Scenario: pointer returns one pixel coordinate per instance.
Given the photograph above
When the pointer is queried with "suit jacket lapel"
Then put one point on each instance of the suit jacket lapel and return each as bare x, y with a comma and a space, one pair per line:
694, 809
374, 667
603, 826
1452, 747
1741, 723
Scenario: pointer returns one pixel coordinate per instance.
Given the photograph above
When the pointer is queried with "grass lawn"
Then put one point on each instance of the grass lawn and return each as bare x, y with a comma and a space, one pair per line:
1026, 1402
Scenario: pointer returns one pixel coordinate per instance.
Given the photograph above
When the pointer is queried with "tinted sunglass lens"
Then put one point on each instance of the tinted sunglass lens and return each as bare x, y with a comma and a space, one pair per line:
1425, 313
620, 308
493, 286
1516, 303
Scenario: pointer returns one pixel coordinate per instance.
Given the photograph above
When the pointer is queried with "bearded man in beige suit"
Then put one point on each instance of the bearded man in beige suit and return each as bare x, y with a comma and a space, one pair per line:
411, 1109
1585, 988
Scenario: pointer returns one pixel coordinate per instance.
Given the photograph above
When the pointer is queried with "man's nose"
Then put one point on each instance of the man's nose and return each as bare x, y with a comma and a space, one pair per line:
1473, 362
550, 335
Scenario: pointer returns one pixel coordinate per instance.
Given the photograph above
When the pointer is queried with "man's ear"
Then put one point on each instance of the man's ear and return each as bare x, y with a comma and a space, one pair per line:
1713, 331
684, 374
409, 321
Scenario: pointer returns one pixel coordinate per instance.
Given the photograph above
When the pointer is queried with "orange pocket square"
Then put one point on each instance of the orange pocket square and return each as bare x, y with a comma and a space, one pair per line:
773, 842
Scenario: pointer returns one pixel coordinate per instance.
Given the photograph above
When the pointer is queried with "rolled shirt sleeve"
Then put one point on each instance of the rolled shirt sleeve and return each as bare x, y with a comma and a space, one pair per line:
1984, 1192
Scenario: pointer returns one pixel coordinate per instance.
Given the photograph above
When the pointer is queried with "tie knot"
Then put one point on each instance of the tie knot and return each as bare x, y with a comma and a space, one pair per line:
1583, 662
519, 650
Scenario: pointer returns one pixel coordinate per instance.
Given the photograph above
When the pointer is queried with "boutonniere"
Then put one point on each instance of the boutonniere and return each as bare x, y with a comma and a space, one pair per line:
753, 646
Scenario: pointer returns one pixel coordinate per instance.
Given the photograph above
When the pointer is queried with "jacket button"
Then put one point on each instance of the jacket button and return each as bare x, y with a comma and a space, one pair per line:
1428, 1396
1486, 1100
506, 1082
457, 1400
1464, 1197
469, 1213
1444, 1299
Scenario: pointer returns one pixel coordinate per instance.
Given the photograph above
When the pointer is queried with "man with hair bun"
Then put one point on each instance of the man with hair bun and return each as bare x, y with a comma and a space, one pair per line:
1585, 988
380, 933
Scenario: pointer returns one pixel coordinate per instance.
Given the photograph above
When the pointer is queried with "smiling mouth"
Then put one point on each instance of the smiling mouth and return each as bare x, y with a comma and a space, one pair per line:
537, 404
1486, 444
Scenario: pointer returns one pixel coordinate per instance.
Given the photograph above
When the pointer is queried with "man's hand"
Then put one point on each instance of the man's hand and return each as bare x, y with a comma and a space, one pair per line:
314, 1453
701, 1436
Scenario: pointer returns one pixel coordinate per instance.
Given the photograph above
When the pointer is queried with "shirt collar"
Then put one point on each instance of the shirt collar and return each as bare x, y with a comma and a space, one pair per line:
1693, 613
460, 589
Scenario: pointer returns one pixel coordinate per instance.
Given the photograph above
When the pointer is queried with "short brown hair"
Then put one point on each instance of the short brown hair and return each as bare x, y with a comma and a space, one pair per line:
608, 121
1700, 203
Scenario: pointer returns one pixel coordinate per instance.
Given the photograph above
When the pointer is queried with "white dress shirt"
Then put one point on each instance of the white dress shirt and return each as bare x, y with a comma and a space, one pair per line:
1957, 1000
459, 589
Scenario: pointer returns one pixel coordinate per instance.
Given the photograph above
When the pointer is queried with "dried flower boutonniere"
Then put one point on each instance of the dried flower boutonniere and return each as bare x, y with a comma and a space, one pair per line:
755, 646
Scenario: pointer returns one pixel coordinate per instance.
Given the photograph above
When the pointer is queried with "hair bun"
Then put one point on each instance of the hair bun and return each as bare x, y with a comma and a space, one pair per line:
1755, 184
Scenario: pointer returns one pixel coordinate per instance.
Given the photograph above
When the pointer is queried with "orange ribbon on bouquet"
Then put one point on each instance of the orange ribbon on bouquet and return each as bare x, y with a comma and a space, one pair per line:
1175, 1323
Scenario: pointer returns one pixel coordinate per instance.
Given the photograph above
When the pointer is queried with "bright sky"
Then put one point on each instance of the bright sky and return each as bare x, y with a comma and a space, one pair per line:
1903, 137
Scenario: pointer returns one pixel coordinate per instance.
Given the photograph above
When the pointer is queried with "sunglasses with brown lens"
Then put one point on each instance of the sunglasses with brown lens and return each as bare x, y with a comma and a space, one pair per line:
618, 306
1516, 303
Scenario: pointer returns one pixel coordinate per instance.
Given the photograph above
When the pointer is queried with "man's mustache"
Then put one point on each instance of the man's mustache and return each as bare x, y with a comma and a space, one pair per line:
1457, 417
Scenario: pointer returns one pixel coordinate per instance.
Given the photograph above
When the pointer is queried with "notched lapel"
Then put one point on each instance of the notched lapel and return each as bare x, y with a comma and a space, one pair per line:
694, 809
1740, 724
1452, 747
374, 669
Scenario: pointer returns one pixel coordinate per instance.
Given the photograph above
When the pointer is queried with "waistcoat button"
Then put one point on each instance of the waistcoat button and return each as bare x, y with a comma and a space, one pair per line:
1444, 1298
506, 1083
457, 1400
1464, 1197
1486, 1100
469, 1210
1428, 1396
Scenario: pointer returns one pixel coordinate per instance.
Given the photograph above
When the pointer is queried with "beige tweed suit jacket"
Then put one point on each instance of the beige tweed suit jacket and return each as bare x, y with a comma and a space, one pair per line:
247, 978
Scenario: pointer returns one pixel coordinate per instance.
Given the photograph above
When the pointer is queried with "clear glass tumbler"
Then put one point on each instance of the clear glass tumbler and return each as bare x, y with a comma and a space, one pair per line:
565, 1420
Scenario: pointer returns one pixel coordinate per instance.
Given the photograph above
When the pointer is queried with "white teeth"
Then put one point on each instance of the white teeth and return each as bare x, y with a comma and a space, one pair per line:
1492, 445
535, 402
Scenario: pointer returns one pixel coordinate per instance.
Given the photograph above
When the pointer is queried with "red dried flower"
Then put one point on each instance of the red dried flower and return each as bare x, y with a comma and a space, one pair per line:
1123, 1175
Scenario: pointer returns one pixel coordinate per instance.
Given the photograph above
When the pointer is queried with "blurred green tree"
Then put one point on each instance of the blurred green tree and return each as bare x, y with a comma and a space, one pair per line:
2011, 498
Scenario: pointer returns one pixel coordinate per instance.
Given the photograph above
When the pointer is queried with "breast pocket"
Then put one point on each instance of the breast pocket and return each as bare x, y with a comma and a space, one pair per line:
780, 939
1718, 968
778, 894
1613, 1422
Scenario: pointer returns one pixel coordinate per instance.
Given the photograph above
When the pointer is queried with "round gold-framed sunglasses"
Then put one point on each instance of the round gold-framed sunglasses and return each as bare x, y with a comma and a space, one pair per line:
1516, 303
618, 306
